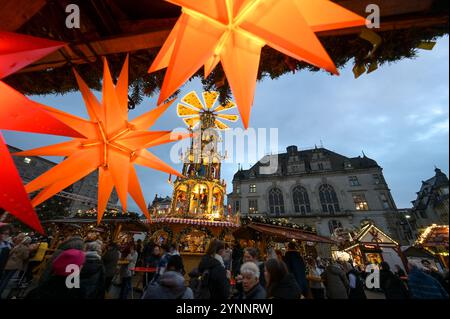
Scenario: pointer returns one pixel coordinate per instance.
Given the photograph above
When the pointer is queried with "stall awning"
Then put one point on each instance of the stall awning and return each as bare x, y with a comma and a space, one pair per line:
128, 224
281, 232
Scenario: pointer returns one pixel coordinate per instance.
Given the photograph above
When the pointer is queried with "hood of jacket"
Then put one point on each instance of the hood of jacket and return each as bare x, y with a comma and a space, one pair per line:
92, 265
170, 286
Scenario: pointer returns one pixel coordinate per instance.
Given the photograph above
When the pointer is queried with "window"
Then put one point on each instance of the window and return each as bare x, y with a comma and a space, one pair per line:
376, 179
320, 166
237, 206
252, 188
253, 206
301, 200
238, 189
276, 203
360, 202
333, 225
353, 181
328, 199
385, 201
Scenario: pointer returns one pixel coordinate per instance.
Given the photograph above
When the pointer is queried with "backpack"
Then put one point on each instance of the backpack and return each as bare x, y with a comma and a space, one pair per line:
201, 286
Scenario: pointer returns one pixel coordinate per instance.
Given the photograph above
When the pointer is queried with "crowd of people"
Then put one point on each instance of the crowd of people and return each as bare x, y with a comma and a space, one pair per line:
224, 272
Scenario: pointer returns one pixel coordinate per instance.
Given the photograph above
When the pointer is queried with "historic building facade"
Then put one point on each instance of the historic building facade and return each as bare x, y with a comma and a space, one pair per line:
82, 195
317, 187
432, 203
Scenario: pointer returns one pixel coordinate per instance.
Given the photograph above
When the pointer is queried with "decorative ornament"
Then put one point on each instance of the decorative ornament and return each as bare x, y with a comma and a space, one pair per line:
192, 110
234, 31
21, 114
112, 145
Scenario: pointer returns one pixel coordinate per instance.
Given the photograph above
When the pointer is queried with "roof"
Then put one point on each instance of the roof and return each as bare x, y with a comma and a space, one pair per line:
428, 192
434, 236
187, 221
417, 252
338, 162
279, 232
128, 224
140, 27
438, 180
371, 234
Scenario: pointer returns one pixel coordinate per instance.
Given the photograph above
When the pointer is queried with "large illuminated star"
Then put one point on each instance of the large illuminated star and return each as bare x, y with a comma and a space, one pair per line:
112, 145
234, 31
21, 114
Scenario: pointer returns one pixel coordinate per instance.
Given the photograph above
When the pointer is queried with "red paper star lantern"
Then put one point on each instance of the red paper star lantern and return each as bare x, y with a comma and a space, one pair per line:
21, 114
113, 145
234, 31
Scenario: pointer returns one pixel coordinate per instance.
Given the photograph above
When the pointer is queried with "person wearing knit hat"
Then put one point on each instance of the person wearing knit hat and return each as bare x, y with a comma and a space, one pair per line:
56, 286
68, 257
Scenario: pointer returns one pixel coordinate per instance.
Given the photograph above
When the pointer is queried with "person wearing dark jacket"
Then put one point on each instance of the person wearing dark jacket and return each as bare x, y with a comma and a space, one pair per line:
251, 254
55, 286
74, 242
110, 260
92, 275
355, 282
152, 261
335, 281
296, 266
171, 283
5, 246
392, 286
213, 269
280, 283
252, 288
236, 258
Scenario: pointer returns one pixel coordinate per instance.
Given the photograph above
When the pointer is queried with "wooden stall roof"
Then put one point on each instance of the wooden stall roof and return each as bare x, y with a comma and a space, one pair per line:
434, 236
279, 232
128, 224
114, 27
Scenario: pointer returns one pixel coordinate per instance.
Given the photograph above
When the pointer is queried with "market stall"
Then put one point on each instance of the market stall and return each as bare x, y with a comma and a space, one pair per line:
115, 226
192, 235
274, 233
434, 240
372, 246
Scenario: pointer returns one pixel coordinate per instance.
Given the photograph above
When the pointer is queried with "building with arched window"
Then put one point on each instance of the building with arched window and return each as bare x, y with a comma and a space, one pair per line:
317, 187
276, 202
301, 200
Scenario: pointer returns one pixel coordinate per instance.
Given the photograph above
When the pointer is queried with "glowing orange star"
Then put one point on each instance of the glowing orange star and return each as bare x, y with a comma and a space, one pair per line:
112, 144
21, 114
234, 31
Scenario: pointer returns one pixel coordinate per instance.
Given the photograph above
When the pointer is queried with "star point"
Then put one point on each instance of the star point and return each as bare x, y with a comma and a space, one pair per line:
233, 32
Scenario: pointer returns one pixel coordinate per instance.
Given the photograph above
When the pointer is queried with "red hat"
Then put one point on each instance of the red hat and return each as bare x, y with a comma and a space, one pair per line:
67, 257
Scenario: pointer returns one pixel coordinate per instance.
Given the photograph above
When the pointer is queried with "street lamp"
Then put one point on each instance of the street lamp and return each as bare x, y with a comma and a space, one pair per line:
407, 217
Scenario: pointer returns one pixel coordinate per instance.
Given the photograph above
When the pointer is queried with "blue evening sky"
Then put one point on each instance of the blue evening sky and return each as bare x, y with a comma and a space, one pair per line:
398, 115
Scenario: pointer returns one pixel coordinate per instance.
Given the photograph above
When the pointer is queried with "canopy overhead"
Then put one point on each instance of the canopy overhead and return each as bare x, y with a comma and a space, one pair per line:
127, 224
279, 233
114, 27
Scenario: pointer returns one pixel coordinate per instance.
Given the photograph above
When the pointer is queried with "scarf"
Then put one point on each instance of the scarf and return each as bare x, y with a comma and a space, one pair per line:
220, 259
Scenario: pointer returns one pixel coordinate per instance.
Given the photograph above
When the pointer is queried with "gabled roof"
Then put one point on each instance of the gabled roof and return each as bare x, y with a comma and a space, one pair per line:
372, 234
